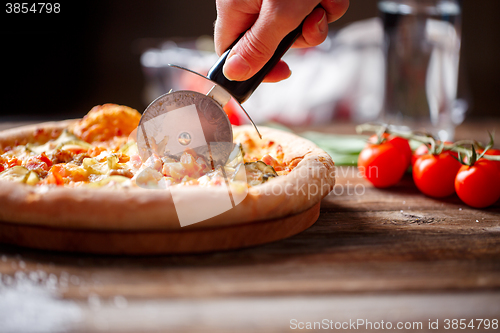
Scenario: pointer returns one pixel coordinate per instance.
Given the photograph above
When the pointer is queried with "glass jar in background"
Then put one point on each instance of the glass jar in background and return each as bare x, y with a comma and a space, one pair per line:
422, 46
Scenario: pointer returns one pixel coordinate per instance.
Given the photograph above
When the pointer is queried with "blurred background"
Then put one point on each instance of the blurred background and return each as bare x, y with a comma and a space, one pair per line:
60, 65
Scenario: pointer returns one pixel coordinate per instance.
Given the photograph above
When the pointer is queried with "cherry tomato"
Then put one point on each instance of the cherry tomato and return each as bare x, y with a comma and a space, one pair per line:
382, 164
478, 185
434, 175
400, 143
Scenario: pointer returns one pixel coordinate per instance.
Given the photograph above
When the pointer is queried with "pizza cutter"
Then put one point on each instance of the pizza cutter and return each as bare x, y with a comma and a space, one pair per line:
184, 119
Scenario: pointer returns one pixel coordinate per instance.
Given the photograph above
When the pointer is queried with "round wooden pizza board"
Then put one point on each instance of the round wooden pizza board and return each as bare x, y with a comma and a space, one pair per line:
158, 242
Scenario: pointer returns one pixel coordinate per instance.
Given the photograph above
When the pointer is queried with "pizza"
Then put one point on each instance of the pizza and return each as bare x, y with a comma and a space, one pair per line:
88, 174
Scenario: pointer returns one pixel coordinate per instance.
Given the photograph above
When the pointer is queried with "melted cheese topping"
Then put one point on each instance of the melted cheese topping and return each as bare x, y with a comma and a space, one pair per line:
113, 161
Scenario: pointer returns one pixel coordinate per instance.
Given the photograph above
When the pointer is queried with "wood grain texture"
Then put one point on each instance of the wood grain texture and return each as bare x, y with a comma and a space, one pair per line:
390, 254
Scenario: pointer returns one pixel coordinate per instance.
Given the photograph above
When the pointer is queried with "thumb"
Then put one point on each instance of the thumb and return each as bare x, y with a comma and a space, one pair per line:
246, 58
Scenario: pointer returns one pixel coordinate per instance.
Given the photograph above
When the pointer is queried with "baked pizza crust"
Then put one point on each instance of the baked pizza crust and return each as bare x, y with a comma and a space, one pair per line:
142, 209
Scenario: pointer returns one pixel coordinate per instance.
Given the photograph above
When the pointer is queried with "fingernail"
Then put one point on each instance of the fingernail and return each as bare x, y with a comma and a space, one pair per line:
236, 68
322, 24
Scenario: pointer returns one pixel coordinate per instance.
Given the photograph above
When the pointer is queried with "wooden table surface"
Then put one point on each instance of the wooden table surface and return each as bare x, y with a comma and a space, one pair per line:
378, 256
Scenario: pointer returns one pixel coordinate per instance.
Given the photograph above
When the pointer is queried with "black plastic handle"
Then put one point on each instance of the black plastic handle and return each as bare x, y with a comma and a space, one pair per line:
241, 90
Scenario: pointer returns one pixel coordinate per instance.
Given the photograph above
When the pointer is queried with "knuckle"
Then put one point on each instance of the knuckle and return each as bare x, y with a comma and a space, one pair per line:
255, 50
313, 38
286, 16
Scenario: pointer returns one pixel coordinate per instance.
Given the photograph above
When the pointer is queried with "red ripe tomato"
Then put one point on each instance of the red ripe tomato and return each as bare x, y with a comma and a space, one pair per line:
382, 164
400, 143
478, 185
434, 175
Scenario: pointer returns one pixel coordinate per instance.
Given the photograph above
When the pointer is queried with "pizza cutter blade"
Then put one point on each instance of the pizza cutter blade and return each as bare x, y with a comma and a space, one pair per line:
184, 119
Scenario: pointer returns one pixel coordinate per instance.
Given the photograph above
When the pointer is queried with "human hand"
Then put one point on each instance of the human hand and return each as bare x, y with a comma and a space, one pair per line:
266, 23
